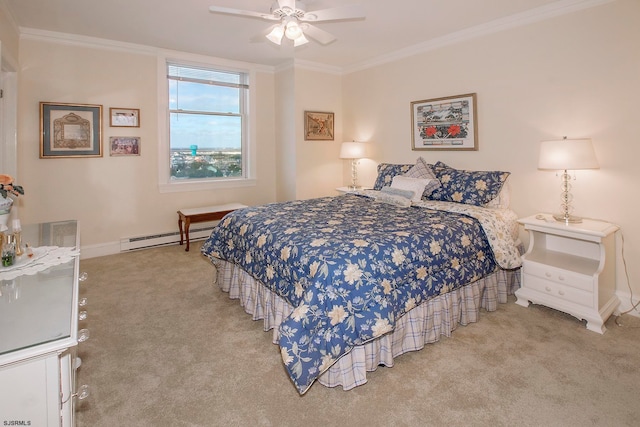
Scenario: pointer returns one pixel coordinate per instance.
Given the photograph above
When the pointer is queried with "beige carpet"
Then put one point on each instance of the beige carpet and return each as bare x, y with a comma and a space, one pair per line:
168, 348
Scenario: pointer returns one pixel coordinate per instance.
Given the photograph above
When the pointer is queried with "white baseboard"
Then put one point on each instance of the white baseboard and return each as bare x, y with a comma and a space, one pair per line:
627, 302
142, 242
102, 249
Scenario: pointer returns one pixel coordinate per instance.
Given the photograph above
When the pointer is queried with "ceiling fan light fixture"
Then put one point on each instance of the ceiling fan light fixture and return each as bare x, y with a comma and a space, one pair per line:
293, 30
276, 34
300, 40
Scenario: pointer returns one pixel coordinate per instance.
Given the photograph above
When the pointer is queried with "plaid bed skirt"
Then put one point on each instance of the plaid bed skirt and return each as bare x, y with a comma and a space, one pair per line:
422, 325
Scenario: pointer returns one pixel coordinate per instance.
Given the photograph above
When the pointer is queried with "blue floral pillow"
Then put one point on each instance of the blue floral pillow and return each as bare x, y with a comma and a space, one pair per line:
386, 172
470, 187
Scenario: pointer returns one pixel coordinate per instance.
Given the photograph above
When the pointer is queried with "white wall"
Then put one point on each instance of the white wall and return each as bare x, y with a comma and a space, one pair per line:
576, 75
115, 197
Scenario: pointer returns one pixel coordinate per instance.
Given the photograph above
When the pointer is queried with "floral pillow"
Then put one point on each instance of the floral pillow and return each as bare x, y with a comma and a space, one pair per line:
386, 172
470, 187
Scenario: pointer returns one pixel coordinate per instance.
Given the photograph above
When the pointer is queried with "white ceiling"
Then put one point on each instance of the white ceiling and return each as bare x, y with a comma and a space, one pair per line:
391, 26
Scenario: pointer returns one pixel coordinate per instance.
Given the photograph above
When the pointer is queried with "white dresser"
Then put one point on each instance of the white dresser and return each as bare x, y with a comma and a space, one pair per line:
39, 335
571, 268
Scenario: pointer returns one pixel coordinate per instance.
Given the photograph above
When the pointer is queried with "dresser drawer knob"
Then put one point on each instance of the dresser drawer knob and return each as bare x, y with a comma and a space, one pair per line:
82, 315
82, 302
82, 393
561, 293
547, 288
83, 335
547, 274
83, 276
561, 278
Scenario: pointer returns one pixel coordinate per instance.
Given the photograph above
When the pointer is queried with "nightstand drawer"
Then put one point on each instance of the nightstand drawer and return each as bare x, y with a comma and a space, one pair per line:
558, 275
557, 290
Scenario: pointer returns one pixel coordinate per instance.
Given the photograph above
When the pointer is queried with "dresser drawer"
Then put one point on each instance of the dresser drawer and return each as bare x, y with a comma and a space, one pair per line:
558, 275
556, 290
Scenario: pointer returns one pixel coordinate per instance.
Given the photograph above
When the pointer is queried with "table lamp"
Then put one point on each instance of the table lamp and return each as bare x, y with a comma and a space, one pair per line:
567, 154
353, 151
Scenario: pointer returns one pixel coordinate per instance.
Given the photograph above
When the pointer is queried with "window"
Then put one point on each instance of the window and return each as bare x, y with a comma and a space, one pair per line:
207, 123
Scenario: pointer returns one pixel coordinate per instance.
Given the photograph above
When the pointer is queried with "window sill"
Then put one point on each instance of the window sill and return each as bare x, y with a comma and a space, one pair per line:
176, 187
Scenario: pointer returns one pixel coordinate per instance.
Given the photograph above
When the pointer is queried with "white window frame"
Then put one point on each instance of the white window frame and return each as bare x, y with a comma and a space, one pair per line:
165, 183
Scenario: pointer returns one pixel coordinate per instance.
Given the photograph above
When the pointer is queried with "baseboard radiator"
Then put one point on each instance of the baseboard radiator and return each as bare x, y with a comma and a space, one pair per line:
164, 239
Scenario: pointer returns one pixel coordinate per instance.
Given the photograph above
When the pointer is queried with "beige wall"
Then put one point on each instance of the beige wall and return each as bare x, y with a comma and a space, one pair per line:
577, 75
318, 168
285, 134
115, 197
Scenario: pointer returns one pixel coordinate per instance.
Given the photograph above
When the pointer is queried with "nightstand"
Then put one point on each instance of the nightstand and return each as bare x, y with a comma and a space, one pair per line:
571, 268
349, 190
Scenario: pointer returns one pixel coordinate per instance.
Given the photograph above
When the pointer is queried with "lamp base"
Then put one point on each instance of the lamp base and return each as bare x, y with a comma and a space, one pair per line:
567, 219
354, 187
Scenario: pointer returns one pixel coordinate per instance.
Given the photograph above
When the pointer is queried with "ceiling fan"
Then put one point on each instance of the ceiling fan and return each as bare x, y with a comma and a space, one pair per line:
294, 20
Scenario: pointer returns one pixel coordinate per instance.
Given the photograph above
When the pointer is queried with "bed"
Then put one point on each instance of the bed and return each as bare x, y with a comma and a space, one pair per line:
349, 282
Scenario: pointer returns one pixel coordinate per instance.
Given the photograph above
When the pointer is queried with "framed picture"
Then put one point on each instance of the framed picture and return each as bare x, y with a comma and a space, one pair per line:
124, 117
70, 130
124, 145
318, 126
448, 123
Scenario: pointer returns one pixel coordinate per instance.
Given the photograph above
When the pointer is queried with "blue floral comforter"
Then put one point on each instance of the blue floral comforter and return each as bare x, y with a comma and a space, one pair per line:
350, 266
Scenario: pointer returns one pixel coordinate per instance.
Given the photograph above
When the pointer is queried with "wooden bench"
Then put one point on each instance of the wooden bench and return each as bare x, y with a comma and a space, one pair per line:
208, 213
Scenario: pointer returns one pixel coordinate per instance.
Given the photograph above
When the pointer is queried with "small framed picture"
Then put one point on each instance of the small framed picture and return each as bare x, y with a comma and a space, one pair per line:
124, 145
70, 130
318, 126
124, 117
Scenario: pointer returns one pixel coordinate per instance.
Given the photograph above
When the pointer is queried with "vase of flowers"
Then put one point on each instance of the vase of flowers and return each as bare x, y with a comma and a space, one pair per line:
8, 190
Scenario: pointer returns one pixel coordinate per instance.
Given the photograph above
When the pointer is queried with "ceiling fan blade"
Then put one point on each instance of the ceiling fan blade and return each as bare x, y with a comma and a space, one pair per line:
352, 11
321, 36
249, 13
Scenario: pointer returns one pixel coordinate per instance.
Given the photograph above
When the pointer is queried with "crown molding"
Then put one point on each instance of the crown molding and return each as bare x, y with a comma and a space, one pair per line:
542, 13
98, 43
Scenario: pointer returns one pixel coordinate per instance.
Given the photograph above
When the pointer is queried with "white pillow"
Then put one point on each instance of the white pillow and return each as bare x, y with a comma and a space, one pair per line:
416, 185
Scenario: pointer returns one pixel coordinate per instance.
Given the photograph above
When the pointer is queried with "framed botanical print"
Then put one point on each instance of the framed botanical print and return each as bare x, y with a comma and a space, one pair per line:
448, 123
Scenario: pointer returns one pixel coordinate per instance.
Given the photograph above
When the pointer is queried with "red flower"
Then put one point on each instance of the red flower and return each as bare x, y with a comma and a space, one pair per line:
454, 130
430, 131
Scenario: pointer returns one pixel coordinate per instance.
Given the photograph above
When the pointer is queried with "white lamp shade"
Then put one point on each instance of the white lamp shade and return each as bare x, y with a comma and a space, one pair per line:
567, 154
352, 150
275, 36
300, 40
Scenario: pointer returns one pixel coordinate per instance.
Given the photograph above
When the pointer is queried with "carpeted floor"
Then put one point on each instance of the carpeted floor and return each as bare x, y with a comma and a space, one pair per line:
168, 348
